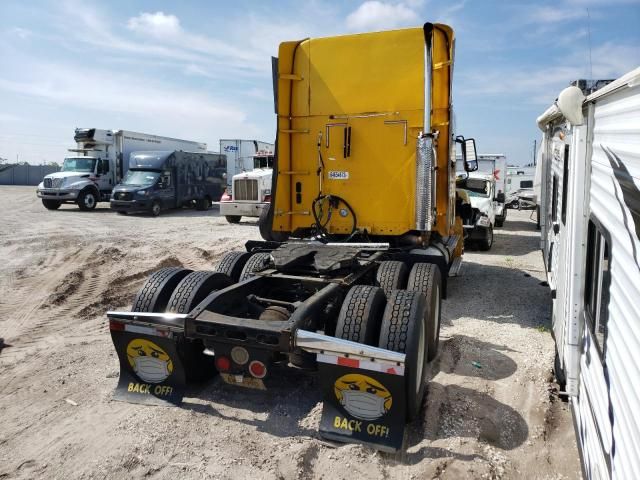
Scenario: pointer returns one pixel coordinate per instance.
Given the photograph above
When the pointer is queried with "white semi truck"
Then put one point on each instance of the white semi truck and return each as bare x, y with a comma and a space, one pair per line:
240, 155
251, 190
99, 161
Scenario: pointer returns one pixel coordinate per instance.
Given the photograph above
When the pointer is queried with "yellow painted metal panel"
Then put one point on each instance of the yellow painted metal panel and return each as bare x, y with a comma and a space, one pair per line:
370, 72
374, 84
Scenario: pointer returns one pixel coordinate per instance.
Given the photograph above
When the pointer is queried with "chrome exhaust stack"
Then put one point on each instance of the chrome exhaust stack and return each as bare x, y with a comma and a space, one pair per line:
425, 153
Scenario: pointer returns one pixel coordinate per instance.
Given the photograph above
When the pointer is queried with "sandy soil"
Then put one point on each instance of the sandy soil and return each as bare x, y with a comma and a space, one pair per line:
61, 270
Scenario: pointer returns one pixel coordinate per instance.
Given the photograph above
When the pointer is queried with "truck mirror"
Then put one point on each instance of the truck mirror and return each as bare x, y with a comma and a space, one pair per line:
469, 155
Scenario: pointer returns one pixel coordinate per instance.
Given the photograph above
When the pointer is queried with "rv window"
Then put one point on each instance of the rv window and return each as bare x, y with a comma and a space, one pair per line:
526, 184
554, 199
597, 282
565, 183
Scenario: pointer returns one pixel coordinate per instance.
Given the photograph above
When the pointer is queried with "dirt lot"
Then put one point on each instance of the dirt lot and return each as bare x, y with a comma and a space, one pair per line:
490, 412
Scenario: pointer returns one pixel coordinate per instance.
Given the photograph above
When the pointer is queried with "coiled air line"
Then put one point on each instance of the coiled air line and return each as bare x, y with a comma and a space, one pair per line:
333, 200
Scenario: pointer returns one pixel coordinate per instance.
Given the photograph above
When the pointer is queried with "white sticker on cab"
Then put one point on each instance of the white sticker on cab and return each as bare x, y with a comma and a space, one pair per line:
337, 175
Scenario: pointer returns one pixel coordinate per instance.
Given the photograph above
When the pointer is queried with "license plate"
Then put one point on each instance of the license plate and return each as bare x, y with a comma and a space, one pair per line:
243, 381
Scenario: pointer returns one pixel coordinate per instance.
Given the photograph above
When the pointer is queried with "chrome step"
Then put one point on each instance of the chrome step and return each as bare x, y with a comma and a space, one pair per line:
454, 270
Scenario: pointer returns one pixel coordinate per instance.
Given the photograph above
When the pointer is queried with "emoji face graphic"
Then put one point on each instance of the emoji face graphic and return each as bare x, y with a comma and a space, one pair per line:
362, 396
150, 362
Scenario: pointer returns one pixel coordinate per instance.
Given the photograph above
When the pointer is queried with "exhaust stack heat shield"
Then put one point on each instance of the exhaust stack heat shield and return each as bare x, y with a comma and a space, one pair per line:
425, 183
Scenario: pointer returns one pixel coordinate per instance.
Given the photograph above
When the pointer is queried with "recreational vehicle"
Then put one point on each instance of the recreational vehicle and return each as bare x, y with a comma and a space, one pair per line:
590, 219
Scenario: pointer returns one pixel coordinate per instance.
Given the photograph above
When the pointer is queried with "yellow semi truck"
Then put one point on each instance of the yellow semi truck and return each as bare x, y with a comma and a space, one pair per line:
361, 237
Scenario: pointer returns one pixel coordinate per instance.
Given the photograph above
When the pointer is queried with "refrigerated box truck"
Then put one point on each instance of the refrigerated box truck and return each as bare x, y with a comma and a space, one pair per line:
99, 162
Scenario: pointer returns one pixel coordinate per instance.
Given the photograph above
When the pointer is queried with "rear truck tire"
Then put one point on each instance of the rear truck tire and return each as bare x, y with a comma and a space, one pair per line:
233, 218
87, 200
51, 204
187, 295
403, 330
203, 204
155, 208
266, 227
155, 293
426, 279
194, 288
361, 314
391, 275
256, 262
232, 264
486, 243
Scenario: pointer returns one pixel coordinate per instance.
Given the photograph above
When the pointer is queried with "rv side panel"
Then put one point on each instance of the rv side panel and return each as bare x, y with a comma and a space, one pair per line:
610, 368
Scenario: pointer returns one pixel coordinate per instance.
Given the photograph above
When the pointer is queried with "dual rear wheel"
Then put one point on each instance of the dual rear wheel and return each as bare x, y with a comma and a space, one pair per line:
401, 320
179, 290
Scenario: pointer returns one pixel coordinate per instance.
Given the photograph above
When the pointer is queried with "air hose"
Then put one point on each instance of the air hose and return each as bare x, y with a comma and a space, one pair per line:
334, 201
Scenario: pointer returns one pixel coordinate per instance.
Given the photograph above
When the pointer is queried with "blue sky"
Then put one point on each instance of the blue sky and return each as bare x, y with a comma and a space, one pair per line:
201, 70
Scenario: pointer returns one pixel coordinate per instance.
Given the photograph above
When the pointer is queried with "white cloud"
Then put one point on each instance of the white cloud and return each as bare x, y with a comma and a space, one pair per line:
20, 32
157, 24
553, 15
539, 86
374, 14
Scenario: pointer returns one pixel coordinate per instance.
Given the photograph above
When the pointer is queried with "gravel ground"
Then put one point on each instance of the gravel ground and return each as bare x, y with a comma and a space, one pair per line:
491, 409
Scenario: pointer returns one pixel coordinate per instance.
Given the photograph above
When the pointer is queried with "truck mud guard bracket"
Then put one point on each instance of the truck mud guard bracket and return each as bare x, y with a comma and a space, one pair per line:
363, 387
150, 348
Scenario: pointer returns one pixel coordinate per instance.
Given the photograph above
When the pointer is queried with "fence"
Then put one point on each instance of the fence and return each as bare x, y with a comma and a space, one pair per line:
25, 174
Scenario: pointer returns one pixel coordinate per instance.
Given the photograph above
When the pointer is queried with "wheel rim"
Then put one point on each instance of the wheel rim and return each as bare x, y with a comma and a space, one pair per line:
156, 209
421, 353
89, 200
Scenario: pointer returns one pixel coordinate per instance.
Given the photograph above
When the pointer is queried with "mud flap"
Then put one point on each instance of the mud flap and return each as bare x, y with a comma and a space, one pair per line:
151, 371
364, 402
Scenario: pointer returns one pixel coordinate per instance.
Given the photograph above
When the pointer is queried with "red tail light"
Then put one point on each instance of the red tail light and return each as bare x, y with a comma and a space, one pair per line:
118, 326
223, 364
257, 369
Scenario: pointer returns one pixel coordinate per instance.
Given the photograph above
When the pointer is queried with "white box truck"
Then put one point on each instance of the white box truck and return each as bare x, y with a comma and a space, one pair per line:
240, 155
496, 165
99, 161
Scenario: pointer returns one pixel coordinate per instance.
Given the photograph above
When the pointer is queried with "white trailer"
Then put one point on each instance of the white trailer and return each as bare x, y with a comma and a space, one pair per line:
240, 155
590, 221
100, 161
520, 187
